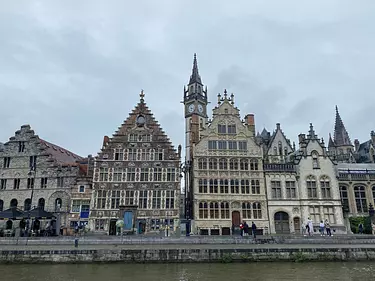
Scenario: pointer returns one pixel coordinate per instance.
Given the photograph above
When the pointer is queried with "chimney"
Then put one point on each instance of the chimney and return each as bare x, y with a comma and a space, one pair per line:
278, 126
179, 151
249, 121
373, 137
356, 145
105, 141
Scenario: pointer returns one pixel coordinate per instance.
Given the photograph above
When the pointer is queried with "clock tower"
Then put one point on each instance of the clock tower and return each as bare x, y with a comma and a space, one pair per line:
195, 106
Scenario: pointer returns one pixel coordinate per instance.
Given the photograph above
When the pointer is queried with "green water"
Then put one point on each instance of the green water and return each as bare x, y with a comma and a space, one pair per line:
188, 272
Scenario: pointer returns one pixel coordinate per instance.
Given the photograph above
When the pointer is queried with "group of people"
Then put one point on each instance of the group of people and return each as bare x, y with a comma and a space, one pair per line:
244, 227
324, 228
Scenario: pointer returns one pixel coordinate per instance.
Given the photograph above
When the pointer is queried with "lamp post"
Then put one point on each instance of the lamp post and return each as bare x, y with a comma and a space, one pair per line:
31, 172
185, 168
371, 212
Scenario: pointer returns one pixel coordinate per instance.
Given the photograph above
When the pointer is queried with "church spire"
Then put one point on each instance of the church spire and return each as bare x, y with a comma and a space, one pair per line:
195, 78
340, 136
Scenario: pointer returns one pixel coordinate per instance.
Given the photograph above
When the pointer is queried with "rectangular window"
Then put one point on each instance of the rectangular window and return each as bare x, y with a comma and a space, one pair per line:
115, 199
76, 206
202, 185
276, 189
315, 214
224, 186
245, 186
242, 145
103, 174
133, 137
222, 145
212, 145
325, 188
117, 174
213, 186
255, 187
99, 224
158, 172
232, 129
155, 224
169, 199
221, 129
244, 164
3, 183
130, 176
145, 155
132, 154
60, 182
171, 174
311, 189
291, 191
232, 145
329, 214
30, 183
144, 174
6, 163
345, 198
21, 146
129, 197
81, 189
101, 199
119, 154
43, 183
235, 186
156, 199
32, 162
146, 138
159, 155
143, 199
16, 183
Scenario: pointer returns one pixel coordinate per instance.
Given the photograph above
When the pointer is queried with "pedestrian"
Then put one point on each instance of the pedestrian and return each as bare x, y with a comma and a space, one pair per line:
328, 228
321, 228
253, 229
311, 227
360, 228
241, 228
245, 228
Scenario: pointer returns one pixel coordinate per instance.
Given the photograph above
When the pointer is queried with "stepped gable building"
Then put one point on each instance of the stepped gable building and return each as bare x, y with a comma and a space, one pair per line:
136, 177
37, 173
283, 193
228, 173
318, 183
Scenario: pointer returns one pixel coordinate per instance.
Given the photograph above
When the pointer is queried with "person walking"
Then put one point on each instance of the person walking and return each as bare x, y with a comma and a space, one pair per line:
328, 228
360, 228
311, 227
254, 229
245, 228
321, 228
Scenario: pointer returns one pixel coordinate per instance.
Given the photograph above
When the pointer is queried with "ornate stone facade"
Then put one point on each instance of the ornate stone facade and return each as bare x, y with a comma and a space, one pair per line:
34, 172
228, 174
137, 167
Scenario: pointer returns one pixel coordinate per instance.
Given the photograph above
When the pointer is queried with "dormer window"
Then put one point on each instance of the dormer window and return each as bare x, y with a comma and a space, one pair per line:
280, 148
315, 161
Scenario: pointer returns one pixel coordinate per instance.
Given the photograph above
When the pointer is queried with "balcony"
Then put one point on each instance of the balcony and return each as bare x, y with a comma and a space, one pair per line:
283, 168
356, 175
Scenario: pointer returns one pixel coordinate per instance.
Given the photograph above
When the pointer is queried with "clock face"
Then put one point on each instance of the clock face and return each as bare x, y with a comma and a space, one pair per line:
141, 120
200, 108
191, 108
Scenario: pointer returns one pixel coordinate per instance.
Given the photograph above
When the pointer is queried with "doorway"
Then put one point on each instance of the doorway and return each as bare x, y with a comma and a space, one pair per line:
112, 227
236, 221
297, 225
141, 226
282, 223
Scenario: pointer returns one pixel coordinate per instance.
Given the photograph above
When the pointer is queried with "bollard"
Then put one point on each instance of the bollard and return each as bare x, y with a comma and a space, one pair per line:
76, 242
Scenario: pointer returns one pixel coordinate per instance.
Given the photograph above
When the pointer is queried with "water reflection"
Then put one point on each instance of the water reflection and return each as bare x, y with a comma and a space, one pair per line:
191, 272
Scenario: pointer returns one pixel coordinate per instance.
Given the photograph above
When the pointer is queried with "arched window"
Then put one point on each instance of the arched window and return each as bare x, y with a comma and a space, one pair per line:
246, 210
27, 204
325, 187
214, 186
257, 210
244, 164
280, 148
212, 164
235, 186
224, 186
58, 204
315, 161
224, 206
223, 164
203, 186
1, 205
41, 203
245, 186
285, 151
233, 164
274, 150
202, 164
254, 164
13, 203
360, 199
255, 187
214, 210
203, 210
311, 187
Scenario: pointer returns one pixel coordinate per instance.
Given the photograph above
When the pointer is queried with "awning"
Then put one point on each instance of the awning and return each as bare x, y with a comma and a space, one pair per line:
38, 213
12, 213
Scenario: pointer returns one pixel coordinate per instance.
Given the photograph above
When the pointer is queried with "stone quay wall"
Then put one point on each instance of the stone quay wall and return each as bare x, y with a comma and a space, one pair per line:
179, 254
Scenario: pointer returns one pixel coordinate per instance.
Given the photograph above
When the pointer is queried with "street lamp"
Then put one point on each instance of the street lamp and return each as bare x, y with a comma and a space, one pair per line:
32, 171
185, 168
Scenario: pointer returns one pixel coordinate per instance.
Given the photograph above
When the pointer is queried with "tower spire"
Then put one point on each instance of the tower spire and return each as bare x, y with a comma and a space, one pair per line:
340, 136
195, 78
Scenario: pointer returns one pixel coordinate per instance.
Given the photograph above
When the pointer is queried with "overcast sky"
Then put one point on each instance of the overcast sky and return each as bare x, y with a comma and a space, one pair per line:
73, 70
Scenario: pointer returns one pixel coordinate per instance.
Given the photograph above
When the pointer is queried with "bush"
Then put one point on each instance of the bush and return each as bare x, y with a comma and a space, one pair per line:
356, 221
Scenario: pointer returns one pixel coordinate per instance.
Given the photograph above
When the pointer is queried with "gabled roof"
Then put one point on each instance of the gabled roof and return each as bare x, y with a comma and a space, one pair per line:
141, 109
61, 155
278, 129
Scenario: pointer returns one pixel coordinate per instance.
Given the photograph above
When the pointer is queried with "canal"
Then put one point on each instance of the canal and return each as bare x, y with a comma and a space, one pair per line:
191, 272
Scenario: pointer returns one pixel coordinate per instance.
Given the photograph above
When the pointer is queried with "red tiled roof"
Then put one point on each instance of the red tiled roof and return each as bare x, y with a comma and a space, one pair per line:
60, 154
